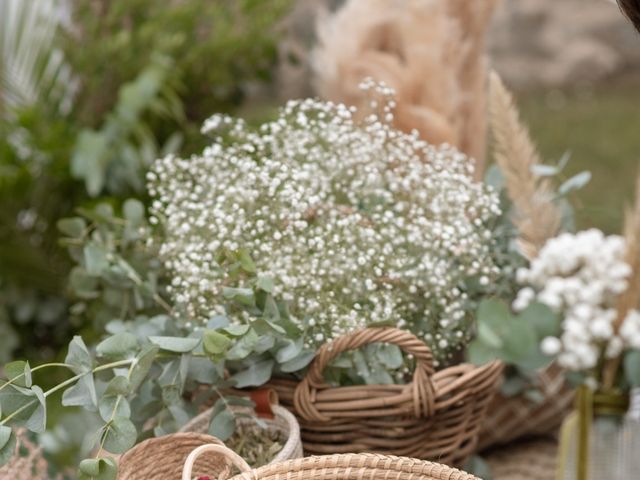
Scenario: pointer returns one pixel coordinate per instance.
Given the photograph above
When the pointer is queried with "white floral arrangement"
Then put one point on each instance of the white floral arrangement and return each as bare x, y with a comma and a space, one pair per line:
581, 276
357, 223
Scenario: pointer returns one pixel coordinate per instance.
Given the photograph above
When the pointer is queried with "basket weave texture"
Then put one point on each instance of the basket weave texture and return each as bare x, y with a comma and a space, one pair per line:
164, 457
362, 466
534, 459
283, 422
436, 417
511, 418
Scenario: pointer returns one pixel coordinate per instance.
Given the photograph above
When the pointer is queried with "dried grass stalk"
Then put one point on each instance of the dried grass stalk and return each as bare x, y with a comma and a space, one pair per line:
537, 217
630, 299
430, 51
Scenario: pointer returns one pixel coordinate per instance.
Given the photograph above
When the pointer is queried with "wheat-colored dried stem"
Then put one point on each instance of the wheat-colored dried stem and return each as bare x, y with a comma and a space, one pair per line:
537, 217
630, 299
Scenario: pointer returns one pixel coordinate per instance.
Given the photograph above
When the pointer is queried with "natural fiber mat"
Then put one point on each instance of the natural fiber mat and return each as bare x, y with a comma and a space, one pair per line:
527, 460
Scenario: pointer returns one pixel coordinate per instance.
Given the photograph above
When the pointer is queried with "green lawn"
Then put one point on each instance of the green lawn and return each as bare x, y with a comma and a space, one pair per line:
601, 130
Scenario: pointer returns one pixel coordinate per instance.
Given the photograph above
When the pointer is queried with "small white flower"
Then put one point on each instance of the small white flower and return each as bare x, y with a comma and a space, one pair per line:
551, 346
580, 276
601, 328
312, 198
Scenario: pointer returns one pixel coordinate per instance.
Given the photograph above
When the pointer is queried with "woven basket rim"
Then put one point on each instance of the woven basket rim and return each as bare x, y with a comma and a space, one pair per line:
291, 447
334, 467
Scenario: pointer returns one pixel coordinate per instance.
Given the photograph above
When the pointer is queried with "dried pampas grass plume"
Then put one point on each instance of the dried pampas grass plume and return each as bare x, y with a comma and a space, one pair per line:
431, 52
537, 217
630, 299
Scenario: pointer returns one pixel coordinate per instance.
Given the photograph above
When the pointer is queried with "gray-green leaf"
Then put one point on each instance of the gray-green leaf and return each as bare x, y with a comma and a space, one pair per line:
98, 469
144, 361
215, 343
575, 183
20, 371
632, 367
175, 344
223, 425
7, 444
133, 211
37, 422
257, 374
78, 356
120, 346
95, 258
73, 227
120, 435
81, 394
114, 406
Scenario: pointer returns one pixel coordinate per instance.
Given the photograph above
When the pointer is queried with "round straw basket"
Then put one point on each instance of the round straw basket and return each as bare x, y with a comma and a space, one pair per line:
283, 422
163, 458
511, 418
435, 417
331, 467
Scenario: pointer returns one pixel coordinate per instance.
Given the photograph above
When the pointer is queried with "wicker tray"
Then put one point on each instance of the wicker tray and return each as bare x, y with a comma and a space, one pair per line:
435, 417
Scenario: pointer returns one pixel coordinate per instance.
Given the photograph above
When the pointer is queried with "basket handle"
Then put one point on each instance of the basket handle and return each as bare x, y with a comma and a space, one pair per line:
424, 395
235, 459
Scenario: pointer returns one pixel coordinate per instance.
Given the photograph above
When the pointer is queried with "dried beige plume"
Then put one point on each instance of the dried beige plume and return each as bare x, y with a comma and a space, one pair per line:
430, 51
630, 299
537, 217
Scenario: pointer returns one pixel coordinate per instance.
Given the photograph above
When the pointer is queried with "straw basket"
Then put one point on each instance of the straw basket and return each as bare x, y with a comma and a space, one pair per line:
437, 416
331, 467
283, 422
509, 419
163, 458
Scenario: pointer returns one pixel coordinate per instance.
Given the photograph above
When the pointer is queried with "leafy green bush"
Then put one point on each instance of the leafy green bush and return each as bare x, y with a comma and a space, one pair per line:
97, 100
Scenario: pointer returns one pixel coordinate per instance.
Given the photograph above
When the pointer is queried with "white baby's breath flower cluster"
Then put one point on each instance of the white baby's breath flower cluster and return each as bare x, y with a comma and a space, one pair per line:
356, 222
581, 276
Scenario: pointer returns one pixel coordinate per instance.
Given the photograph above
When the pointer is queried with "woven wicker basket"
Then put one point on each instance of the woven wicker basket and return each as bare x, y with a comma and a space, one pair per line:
509, 419
436, 417
331, 467
283, 422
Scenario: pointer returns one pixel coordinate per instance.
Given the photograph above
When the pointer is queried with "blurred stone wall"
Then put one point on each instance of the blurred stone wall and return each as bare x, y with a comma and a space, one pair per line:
556, 43
533, 43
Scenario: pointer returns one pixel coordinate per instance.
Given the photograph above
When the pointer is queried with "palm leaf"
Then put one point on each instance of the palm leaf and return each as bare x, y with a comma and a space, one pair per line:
31, 67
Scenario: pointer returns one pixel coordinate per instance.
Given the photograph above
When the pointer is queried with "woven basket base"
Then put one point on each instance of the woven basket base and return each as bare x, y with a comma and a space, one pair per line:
533, 459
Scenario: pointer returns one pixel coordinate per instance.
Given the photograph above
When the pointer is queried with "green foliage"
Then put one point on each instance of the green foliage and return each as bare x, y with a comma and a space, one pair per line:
115, 157
219, 48
138, 380
100, 114
117, 272
632, 368
98, 469
514, 339
599, 126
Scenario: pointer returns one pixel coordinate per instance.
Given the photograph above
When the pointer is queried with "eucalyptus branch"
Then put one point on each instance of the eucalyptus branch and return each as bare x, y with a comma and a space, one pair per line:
113, 413
34, 369
64, 384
